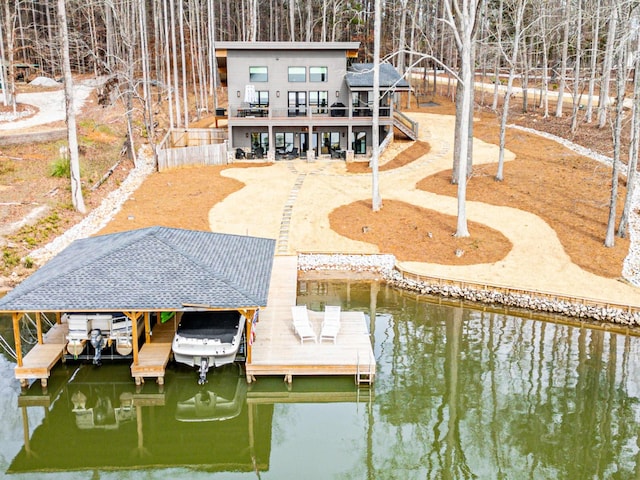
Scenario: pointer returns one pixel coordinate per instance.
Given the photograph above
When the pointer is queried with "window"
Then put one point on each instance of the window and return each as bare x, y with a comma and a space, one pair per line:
297, 104
318, 101
262, 97
360, 142
330, 141
297, 74
361, 107
260, 140
317, 74
284, 142
258, 74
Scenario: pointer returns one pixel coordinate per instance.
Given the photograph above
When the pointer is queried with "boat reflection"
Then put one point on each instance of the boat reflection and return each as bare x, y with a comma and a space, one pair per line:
102, 414
98, 419
221, 398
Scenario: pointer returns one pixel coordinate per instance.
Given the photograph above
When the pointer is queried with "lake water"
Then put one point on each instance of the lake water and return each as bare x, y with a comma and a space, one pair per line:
459, 393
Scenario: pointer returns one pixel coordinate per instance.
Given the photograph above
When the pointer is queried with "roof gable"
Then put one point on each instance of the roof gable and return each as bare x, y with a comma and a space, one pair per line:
148, 269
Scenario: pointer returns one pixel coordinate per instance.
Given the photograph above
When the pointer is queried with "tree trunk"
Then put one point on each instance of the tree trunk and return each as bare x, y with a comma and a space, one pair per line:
517, 36
633, 148
565, 54
292, 20
174, 50
463, 25
3, 71
72, 135
496, 79
594, 63
10, 78
617, 137
376, 199
576, 69
603, 98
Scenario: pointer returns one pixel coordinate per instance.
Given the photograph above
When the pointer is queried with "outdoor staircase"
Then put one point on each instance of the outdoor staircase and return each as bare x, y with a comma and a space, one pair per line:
405, 125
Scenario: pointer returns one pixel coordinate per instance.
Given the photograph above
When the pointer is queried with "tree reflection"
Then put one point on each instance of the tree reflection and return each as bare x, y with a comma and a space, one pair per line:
461, 393
470, 394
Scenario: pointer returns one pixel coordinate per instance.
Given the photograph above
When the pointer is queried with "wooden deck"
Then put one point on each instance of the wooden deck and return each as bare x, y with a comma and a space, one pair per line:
37, 364
278, 351
154, 355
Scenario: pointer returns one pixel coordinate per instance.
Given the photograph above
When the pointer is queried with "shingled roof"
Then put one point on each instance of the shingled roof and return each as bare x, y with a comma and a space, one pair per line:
153, 268
360, 75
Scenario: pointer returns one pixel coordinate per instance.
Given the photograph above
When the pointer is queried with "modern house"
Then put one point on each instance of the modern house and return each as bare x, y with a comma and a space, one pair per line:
289, 99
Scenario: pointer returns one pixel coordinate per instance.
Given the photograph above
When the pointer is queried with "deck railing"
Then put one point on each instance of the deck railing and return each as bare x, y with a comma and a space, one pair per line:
304, 111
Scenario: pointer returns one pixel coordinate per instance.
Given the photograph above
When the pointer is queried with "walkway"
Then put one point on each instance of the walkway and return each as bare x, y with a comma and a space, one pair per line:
292, 200
50, 105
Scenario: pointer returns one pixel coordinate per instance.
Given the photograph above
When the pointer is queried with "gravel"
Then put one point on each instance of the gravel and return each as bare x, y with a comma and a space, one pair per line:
49, 106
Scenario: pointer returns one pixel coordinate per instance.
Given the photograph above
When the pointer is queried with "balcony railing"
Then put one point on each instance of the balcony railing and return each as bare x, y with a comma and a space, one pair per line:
340, 111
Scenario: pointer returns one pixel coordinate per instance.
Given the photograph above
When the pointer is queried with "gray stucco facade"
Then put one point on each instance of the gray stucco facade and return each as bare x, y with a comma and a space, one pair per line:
295, 99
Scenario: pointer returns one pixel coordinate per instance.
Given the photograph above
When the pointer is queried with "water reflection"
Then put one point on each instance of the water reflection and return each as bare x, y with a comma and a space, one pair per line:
459, 393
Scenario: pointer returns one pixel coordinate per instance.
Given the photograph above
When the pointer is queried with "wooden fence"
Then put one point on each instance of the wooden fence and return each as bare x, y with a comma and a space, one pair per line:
193, 146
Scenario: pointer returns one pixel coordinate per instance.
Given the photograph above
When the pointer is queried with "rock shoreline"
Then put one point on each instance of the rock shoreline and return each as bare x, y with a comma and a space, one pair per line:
384, 266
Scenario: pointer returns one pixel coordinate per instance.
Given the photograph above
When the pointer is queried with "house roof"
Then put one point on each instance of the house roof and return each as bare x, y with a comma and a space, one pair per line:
287, 45
360, 75
150, 269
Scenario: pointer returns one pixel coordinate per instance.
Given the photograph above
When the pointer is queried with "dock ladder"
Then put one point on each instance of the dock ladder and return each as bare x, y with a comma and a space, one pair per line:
364, 372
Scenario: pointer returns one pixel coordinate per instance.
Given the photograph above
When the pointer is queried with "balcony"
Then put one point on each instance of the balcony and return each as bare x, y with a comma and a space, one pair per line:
336, 113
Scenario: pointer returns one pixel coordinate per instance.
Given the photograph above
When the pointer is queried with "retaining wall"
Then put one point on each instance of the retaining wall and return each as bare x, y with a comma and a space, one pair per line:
546, 302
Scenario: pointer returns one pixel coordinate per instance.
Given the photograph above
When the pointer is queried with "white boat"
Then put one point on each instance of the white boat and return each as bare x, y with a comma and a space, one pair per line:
97, 332
208, 338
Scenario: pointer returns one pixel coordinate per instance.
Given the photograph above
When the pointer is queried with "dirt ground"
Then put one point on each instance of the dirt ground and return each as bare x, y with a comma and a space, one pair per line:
568, 191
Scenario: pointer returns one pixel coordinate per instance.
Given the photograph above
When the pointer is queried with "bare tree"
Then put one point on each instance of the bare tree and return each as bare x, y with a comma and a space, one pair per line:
72, 134
376, 199
9, 84
594, 60
635, 144
621, 74
518, 8
603, 99
566, 19
576, 68
462, 18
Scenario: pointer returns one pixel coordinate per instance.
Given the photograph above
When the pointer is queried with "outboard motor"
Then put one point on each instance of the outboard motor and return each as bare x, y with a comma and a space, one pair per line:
97, 342
204, 368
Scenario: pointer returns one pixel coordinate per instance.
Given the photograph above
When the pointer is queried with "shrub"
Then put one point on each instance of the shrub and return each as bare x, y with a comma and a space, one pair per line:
61, 168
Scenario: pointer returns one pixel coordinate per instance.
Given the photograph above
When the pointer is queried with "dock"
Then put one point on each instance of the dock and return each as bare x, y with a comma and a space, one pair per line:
37, 364
278, 351
154, 355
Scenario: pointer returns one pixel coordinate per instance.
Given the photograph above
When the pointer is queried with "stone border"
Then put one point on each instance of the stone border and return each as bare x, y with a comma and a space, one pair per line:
534, 301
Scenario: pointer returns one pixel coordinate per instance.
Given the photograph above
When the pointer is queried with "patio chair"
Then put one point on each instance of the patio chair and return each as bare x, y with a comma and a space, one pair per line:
330, 323
240, 153
302, 325
293, 153
331, 315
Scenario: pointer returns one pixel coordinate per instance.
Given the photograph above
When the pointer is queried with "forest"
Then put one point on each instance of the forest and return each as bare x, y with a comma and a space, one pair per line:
574, 58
